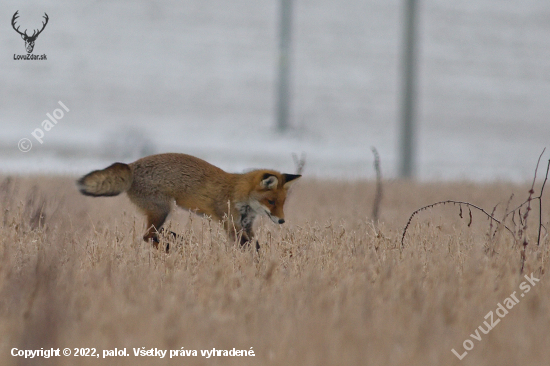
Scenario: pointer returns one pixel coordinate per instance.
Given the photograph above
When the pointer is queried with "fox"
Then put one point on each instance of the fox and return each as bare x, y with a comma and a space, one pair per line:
154, 183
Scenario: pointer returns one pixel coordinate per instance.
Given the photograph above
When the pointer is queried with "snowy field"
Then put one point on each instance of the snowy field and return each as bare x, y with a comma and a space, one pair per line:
142, 77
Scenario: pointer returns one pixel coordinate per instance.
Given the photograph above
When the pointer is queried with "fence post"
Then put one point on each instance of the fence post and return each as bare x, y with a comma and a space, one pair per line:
283, 97
407, 153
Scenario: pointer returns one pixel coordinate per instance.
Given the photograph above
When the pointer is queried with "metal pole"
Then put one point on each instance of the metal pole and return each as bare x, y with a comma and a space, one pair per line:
407, 163
283, 98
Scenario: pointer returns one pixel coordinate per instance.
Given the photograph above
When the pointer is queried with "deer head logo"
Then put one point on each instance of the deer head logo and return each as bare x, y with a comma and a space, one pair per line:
29, 40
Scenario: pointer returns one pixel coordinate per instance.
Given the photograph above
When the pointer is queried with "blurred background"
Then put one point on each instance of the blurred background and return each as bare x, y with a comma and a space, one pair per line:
200, 77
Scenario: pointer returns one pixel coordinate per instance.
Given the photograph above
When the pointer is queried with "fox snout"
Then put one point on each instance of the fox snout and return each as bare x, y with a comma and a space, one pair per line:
275, 219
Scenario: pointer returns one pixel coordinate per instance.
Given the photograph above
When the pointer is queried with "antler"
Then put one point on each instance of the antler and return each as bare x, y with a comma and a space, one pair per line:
15, 16
34, 34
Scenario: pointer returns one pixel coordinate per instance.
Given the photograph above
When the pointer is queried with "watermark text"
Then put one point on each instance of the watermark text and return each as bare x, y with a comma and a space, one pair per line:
491, 320
25, 144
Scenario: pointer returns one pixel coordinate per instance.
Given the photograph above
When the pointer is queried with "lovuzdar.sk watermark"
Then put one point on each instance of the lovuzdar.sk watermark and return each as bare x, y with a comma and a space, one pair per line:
30, 57
501, 311
29, 39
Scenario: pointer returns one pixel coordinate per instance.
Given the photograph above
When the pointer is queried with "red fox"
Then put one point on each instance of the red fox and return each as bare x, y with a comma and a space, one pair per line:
153, 183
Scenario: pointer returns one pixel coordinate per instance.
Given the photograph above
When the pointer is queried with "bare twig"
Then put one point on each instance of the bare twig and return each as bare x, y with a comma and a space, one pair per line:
520, 231
491, 222
530, 198
526, 214
518, 208
299, 162
378, 195
540, 201
469, 205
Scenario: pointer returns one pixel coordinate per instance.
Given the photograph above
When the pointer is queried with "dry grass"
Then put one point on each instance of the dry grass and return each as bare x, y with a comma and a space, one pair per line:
327, 288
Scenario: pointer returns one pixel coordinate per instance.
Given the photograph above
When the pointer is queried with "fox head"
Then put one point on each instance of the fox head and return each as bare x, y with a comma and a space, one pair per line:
269, 194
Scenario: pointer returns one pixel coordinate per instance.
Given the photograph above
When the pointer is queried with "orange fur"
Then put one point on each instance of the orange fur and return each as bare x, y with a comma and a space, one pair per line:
153, 183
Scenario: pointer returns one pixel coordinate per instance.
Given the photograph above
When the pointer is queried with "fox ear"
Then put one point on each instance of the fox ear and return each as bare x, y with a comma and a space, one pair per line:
289, 179
269, 182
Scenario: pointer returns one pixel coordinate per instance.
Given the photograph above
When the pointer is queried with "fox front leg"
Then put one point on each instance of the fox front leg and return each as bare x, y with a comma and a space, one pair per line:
247, 236
241, 235
241, 230
247, 220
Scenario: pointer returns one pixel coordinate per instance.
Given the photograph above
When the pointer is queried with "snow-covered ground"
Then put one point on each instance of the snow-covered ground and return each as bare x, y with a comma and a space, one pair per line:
199, 77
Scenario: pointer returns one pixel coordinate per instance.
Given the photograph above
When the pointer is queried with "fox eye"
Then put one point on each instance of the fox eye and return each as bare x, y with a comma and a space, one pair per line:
271, 202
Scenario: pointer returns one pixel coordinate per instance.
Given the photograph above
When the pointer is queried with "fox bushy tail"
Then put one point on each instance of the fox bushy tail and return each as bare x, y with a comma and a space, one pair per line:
110, 181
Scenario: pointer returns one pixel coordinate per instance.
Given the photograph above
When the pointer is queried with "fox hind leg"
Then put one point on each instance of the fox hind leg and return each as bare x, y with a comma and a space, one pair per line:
156, 208
155, 219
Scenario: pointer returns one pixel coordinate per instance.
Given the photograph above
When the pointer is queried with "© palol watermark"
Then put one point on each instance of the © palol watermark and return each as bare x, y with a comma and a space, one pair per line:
501, 312
25, 144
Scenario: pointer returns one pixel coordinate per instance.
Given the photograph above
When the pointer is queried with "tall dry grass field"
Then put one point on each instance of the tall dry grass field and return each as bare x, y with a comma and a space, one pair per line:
327, 288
